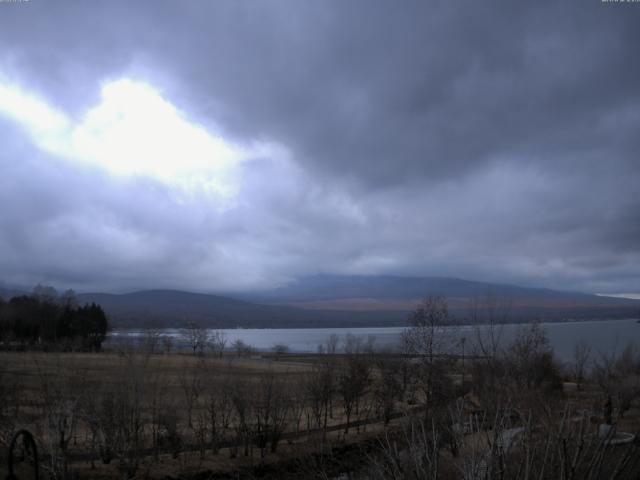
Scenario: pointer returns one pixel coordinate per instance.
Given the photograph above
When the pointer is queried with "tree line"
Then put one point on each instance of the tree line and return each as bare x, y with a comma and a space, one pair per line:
49, 321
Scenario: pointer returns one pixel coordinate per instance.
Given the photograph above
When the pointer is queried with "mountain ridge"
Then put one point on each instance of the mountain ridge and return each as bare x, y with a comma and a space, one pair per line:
325, 287
347, 301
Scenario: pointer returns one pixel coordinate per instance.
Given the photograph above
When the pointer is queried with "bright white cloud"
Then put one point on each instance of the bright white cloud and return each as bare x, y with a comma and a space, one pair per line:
133, 131
46, 125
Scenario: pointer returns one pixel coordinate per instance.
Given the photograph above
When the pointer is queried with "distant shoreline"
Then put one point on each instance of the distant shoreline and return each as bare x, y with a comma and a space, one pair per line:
377, 326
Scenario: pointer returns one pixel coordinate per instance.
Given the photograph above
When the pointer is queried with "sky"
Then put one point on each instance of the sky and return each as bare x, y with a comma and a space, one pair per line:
224, 145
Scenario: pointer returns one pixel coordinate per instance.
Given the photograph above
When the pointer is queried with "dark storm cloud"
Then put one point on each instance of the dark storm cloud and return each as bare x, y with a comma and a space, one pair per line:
490, 140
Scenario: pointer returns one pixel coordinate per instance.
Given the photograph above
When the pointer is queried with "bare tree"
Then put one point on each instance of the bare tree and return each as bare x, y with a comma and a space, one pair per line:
11, 399
271, 406
411, 454
354, 376
219, 410
196, 337
68, 299
192, 385
330, 347
45, 293
628, 370
424, 337
167, 344
242, 348
489, 317
619, 376
242, 401
151, 341
530, 358
280, 349
124, 414
387, 388
60, 399
320, 390
425, 340
217, 342
158, 404
579, 367
298, 400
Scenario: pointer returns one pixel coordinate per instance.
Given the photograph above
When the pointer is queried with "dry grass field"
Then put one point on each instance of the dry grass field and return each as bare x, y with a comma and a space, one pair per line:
132, 414
171, 405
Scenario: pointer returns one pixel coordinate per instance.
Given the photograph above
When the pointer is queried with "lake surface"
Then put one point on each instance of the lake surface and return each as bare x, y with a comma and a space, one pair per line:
604, 336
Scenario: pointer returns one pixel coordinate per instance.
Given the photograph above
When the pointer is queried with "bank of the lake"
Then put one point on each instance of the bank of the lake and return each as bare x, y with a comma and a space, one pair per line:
605, 336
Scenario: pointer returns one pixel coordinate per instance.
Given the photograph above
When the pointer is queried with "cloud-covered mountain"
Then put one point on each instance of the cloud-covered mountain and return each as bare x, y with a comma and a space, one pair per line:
349, 301
332, 287
395, 294
340, 301
172, 308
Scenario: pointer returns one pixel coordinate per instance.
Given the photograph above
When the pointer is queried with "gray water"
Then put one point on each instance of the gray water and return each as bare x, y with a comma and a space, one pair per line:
604, 336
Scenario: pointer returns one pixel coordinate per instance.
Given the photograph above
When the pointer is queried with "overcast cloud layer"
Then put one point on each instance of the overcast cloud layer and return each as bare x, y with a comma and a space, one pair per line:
228, 145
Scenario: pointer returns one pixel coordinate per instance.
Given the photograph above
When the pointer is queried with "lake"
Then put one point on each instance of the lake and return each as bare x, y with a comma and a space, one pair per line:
605, 336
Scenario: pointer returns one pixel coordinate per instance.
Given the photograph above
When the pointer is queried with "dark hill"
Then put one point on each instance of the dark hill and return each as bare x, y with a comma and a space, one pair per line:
331, 287
172, 308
